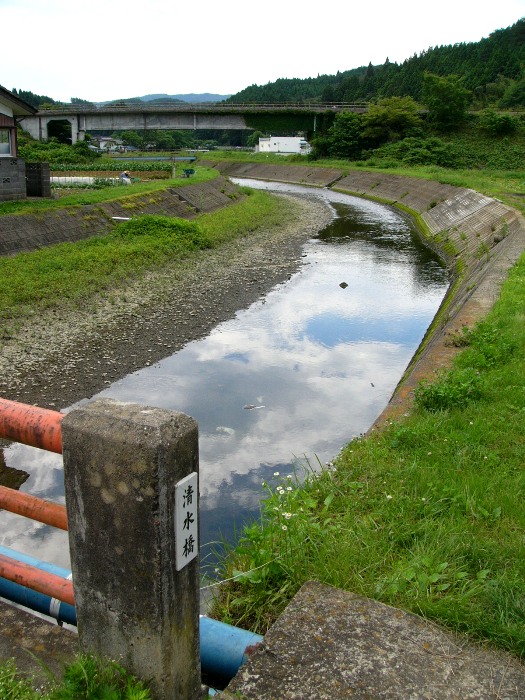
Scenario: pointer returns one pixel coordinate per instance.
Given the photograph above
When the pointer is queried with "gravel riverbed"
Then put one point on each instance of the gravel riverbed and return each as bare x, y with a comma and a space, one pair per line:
61, 357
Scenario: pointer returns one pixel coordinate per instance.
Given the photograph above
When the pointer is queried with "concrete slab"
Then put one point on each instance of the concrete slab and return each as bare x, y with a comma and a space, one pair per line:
330, 644
455, 209
34, 643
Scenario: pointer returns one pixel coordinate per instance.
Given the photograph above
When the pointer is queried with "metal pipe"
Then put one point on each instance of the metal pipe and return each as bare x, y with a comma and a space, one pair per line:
32, 507
62, 612
37, 579
30, 425
223, 648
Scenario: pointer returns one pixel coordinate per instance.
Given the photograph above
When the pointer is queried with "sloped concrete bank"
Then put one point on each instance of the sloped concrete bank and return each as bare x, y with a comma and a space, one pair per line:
478, 237
24, 232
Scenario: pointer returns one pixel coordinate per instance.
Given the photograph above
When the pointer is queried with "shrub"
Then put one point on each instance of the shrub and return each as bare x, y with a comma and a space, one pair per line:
497, 124
179, 234
451, 389
418, 151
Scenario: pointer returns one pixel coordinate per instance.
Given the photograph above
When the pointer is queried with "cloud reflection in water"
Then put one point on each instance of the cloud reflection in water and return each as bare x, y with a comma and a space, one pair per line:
318, 363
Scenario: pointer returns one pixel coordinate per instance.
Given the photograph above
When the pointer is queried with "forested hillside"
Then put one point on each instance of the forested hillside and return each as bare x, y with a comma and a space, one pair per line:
493, 70
32, 99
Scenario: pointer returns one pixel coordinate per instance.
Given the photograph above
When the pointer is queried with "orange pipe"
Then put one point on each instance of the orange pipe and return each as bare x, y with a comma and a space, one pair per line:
38, 427
36, 579
32, 507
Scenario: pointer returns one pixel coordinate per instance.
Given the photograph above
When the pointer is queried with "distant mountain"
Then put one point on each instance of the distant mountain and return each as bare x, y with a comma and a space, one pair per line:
193, 98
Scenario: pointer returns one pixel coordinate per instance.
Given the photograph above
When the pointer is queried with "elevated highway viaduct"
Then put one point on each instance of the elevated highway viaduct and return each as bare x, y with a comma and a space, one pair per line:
170, 116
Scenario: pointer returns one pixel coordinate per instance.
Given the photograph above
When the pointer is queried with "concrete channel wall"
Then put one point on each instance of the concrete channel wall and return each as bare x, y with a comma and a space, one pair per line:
25, 232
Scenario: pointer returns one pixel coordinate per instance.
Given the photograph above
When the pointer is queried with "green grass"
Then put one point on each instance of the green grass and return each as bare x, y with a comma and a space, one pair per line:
86, 678
105, 195
426, 515
68, 274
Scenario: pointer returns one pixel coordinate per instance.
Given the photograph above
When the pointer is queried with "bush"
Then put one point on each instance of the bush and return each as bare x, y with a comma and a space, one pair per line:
420, 151
451, 389
497, 124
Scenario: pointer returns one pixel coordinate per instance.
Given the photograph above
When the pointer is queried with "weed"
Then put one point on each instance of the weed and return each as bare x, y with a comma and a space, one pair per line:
451, 388
12, 686
87, 677
460, 339
482, 250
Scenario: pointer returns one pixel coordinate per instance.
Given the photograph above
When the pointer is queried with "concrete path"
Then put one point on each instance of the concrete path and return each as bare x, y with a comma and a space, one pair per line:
34, 643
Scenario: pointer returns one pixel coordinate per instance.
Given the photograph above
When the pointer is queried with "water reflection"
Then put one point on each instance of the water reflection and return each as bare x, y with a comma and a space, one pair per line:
295, 376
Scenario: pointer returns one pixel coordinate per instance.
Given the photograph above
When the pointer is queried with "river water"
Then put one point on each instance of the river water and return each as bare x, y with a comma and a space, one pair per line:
290, 379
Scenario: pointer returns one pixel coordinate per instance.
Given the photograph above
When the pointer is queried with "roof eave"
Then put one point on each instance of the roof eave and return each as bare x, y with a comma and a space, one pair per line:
19, 107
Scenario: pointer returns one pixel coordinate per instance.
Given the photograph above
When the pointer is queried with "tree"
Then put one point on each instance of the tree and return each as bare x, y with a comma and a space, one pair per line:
132, 138
253, 139
447, 100
344, 136
80, 101
514, 95
391, 119
83, 151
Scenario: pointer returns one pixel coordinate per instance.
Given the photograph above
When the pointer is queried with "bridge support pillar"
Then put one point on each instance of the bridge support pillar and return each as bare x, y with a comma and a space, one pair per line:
136, 580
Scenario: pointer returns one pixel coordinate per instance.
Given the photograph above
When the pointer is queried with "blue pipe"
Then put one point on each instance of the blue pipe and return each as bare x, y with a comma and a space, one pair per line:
62, 612
222, 647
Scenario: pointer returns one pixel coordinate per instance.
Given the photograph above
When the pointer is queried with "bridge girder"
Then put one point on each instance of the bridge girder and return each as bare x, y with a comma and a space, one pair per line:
170, 117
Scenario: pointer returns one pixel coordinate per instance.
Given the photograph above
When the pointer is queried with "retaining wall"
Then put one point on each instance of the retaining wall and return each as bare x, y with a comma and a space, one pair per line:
25, 232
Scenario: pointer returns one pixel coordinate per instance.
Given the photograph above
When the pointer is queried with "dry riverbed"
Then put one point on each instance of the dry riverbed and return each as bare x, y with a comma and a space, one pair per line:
60, 357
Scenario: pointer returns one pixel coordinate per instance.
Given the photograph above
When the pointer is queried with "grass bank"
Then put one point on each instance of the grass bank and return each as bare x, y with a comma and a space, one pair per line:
107, 194
427, 514
68, 274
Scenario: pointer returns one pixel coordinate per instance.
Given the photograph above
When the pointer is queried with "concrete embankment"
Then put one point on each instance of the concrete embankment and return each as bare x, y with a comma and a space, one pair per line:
24, 232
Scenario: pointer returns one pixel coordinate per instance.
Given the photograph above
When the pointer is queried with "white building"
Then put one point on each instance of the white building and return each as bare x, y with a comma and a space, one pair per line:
284, 144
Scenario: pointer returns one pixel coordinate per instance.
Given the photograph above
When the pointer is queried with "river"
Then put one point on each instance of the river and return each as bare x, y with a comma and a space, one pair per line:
286, 382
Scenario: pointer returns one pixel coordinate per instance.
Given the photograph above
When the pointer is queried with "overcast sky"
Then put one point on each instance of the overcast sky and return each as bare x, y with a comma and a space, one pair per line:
103, 50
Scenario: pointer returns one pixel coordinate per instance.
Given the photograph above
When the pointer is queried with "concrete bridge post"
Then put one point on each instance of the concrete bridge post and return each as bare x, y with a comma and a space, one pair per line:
131, 482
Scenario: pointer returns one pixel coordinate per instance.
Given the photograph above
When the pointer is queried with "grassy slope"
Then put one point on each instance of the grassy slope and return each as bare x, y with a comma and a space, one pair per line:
69, 273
